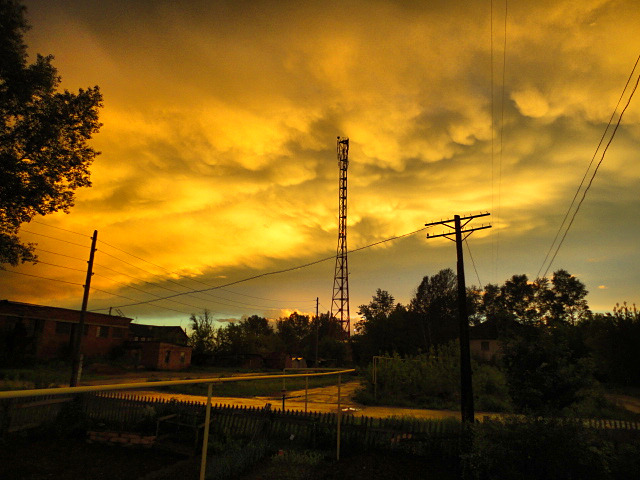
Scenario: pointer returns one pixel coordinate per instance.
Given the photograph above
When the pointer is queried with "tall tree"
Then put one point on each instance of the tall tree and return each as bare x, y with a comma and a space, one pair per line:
44, 154
203, 335
384, 329
435, 308
568, 303
294, 331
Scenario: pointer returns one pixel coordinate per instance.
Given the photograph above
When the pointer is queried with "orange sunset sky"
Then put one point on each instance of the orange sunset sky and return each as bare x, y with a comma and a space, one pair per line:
219, 134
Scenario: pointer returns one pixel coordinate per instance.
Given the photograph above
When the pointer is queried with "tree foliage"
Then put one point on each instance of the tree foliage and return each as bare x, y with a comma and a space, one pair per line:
296, 335
44, 154
613, 338
546, 370
203, 335
435, 308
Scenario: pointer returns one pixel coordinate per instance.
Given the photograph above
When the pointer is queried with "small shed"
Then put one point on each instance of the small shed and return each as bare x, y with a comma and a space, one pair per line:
483, 341
159, 347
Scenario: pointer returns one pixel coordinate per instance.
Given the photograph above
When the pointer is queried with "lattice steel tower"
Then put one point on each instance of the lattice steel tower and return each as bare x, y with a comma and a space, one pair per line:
340, 302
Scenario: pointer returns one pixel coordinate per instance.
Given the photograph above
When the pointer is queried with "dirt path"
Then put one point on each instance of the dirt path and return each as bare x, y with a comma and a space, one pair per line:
322, 399
630, 403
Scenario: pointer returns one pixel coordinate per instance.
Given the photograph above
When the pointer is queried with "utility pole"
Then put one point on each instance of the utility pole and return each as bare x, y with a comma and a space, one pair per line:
76, 344
458, 227
317, 329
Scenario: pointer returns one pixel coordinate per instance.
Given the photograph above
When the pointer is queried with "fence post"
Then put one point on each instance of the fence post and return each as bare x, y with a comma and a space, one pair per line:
205, 439
306, 392
338, 419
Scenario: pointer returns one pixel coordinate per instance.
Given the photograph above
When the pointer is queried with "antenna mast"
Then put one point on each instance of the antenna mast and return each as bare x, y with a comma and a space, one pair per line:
340, 302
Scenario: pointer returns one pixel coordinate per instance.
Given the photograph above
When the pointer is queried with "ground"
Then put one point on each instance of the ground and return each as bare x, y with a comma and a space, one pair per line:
364, 466
73, 459
27, 458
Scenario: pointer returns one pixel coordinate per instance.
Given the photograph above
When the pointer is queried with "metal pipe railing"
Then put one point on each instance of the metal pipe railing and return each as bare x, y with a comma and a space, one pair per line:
41, 392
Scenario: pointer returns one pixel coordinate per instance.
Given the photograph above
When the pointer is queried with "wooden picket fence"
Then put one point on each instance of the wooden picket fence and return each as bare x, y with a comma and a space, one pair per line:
312, 430
120, 411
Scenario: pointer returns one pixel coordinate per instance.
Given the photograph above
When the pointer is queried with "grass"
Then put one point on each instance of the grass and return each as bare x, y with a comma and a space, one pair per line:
38, 376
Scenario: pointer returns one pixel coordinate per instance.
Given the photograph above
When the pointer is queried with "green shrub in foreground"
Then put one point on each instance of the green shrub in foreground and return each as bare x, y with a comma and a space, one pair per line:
432, 380
526, 448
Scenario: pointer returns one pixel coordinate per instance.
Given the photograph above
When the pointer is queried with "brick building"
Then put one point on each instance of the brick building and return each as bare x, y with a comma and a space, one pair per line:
159, 347
45, 332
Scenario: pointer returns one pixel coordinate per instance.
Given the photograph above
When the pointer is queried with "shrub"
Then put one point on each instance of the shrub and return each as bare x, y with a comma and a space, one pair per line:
432, 380
526, 448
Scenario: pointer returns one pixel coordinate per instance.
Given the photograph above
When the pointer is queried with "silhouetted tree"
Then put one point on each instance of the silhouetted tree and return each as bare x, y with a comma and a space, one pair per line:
545, 371
203, 337
44, 155
568, 303
384, 328
434, 307
294, 332
251, 335
613, 340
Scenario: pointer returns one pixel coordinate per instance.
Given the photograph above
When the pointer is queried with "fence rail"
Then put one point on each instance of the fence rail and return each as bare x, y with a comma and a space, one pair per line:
9, 400
121, 411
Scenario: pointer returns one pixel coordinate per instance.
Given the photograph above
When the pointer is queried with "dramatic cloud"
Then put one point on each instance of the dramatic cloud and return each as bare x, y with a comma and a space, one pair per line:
218, 146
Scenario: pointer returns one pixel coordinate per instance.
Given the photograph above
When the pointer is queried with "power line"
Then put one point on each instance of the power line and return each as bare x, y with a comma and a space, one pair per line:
54, 238
44, 278
60, 228
179, 275
587, 171
60, 254
575, 195
128, 298
502, 102
216, 298
144, 291
285, 270
473, 262
40, 262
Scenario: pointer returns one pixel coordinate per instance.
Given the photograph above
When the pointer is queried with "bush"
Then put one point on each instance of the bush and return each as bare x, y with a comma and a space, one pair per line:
532, 448
432, 380
235, 459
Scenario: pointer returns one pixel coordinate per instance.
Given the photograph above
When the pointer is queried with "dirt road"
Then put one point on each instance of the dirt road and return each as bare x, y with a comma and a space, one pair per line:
322, 399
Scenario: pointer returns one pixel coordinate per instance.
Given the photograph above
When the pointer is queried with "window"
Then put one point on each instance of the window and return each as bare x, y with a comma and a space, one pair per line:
38, 325
484, 346
118, 332
167, 356
63, 328
182, 357
102, 332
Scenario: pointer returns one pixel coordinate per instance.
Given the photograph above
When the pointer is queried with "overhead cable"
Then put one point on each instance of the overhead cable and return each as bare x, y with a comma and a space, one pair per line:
285, 270
595, 171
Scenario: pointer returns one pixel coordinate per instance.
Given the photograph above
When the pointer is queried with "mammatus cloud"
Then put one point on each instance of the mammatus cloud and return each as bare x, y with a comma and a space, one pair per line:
218, 145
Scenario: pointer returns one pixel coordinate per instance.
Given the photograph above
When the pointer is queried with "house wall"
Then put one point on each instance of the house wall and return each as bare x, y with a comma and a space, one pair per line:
485, 349
47, 330
165, 356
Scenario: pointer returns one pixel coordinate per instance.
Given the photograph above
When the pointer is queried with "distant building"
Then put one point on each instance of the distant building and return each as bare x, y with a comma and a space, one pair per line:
159, 347
45, 332
483, 341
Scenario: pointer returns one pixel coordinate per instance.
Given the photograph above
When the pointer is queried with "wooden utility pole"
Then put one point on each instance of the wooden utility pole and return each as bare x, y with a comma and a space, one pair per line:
76, 344
317, 330
466, 388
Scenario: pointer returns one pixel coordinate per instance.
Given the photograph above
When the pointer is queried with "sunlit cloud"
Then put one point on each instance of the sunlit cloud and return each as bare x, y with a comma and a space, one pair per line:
220, 121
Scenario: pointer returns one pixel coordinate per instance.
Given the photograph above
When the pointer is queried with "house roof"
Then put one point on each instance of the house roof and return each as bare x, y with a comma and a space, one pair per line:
28, 310
171, 334
484, 331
